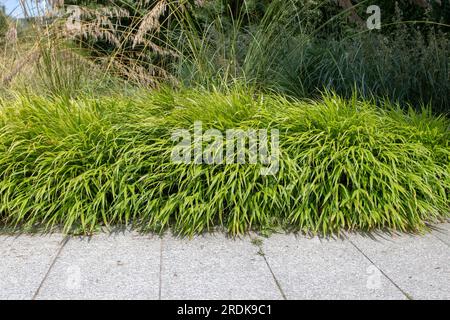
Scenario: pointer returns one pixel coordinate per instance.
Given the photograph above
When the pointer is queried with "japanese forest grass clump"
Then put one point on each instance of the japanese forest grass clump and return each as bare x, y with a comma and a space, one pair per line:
343, 164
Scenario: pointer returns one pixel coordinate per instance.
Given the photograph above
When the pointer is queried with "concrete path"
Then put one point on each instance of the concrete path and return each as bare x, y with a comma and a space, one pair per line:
283, 266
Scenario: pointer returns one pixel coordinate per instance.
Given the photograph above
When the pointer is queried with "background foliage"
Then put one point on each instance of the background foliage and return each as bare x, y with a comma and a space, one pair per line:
91, 91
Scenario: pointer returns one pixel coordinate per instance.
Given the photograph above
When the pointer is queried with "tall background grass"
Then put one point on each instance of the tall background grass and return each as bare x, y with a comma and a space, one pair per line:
298, 47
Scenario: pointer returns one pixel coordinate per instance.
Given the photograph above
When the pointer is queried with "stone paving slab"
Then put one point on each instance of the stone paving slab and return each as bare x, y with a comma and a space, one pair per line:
24, 262
419, 265
117, 266
215, 267
313, 268
442, 232
131, 266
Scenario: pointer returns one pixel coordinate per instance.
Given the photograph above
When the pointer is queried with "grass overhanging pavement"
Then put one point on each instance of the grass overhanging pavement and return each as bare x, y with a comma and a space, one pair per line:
343, 164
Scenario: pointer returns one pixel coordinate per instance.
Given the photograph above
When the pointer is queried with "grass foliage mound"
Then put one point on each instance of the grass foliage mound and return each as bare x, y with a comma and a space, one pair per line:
343, 164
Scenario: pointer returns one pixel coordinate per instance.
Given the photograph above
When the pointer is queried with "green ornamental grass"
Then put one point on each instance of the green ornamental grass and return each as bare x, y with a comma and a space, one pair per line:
344, 164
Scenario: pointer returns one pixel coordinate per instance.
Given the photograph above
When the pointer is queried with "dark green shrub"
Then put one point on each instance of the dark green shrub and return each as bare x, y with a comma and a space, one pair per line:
406, 68
3, 25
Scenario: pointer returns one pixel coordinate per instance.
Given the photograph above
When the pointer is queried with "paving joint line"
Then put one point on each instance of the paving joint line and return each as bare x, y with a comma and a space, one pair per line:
277, 283
62, 245
160, 266
407, 295
439, 238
